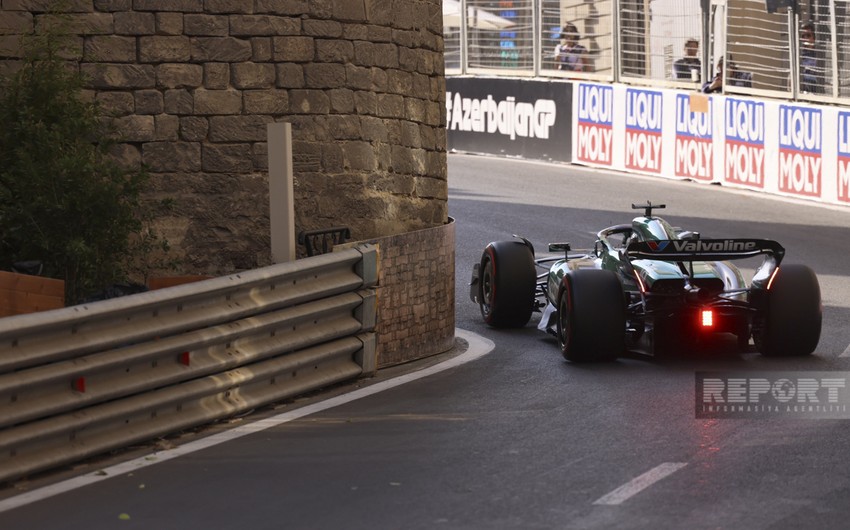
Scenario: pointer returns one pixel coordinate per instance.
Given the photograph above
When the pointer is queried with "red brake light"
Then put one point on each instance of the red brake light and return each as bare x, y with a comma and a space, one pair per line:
706, 318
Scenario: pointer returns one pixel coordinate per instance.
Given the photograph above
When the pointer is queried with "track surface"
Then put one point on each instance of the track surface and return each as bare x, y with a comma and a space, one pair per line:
520, 438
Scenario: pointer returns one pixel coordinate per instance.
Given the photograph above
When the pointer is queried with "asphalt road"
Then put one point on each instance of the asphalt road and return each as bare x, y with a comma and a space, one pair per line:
519, 438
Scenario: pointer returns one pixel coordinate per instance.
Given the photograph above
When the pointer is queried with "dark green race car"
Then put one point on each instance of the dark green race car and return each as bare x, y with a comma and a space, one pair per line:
651, 288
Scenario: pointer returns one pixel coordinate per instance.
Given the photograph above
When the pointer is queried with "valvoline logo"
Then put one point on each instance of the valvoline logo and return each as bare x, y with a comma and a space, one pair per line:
694, 147
657, 246
744, 144
844, 156
800, 148
595, 123
643, 129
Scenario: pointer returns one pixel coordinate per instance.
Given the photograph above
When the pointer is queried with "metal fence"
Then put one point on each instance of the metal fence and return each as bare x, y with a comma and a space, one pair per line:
801, 51
83, 380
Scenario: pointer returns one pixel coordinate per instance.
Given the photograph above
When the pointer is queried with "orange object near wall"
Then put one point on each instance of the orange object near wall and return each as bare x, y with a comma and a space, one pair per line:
22, 293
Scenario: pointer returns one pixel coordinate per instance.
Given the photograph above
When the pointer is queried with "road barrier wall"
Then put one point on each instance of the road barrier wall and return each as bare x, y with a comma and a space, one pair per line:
786, 148
83, 380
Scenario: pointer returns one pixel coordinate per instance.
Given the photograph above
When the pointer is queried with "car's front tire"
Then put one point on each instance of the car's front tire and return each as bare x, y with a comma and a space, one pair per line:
792, 314
591, 322
507, 283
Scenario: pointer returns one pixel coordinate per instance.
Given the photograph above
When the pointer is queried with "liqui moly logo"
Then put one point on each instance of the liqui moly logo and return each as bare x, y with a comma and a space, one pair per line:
800, 147
744, 146
595, 122
643, 130
693, 140
844, 156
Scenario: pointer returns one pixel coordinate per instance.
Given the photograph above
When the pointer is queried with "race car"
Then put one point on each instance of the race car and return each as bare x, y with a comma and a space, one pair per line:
651, 288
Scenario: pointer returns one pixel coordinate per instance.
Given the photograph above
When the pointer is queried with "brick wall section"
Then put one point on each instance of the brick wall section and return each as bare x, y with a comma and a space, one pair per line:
193, 83
416, 294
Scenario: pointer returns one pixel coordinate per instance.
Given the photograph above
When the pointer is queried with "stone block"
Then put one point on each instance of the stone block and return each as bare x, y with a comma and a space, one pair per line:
111, 6
238, 128
224, 49
229, 6
193, 128
373, 129
149, 102
253, 75
179, 75
217, 102
399, 82
134, 23
126, 155
78, 23
359, 156
169, 23
135, 128
334, 51
309, 102
216, 76
162, 49
342, 100
167, 127
259, 25
293, 49
414, 109
324, 75
271, 101
205, 25
187, 6
390, 106
16, 23
178, 101
282, 7
289, 75
261, 49
172, 156
322, 28
109, 49
227, 158
350, 10
109, 75
116, 103
366, 103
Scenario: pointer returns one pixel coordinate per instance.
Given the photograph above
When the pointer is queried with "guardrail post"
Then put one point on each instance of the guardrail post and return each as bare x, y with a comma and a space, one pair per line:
367, 357
281, 201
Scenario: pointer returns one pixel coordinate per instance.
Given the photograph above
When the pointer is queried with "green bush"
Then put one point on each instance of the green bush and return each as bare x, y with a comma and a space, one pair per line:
63, 200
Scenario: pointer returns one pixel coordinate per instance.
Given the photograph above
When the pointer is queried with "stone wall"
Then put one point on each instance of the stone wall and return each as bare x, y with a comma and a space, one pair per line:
193, 83
416, 294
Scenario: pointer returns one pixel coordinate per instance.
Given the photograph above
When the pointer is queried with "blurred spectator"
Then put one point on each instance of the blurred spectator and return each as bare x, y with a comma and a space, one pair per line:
811, 71
688, 67
736, 78
569, 54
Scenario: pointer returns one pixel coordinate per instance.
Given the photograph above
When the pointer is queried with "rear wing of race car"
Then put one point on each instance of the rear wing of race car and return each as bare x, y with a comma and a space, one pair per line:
705, 249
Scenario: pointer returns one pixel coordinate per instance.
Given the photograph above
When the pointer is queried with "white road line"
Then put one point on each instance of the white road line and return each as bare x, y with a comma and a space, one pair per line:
638, 484
846, 352
478, 347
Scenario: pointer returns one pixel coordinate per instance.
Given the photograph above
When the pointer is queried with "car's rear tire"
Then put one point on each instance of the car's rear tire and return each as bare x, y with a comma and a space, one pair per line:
507, 283
793, 314
591, 316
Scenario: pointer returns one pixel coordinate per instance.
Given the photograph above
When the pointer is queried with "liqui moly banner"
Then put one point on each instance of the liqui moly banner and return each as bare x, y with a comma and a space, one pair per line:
800, 150
595, 122
694, 140
643, 129
744, 147
843, 169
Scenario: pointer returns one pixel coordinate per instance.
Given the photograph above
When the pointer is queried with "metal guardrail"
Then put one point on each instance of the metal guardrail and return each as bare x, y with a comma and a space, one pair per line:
83, 380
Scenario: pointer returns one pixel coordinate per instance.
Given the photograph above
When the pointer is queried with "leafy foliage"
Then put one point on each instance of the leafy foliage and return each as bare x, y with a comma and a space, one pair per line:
63, 200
